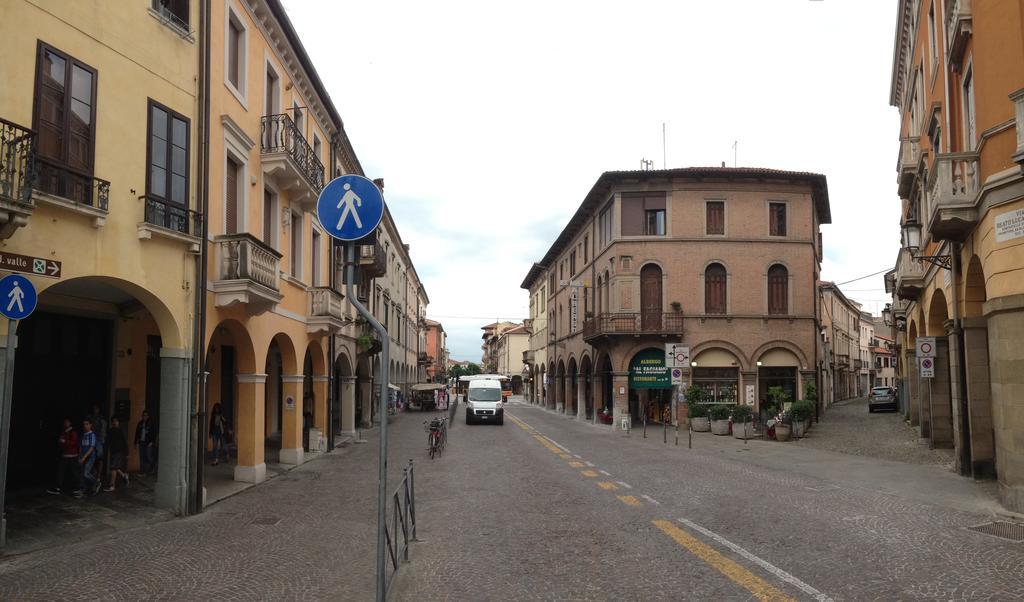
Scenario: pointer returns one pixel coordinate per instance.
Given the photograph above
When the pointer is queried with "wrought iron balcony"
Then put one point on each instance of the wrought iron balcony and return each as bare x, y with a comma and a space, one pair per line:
953, 185
288, 158
958, 28
909, 276
909, 164
17, 176
372, 261
79, 188
633, 324
326, 311
842, 359
423, 359
247, 272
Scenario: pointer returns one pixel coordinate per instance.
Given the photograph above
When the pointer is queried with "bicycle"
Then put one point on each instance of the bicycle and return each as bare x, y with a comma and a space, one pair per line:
434, 441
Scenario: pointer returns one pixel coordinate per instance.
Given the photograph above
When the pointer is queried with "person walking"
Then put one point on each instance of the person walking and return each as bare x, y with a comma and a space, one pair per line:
99, 426
87, 458
219, 433
68, 465
117, 446
145, 441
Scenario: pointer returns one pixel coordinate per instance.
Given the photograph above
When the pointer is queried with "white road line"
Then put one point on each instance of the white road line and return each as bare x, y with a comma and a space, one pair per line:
577, 456
605, 473
650, 499
626, 485
771, 568
562, 447
591, 464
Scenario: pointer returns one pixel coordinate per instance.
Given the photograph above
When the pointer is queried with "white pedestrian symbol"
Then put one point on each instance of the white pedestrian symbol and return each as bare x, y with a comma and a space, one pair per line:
16, 295
350, 200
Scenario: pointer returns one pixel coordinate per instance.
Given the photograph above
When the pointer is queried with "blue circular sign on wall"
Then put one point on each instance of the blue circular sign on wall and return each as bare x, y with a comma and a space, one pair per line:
18, 297
350, 207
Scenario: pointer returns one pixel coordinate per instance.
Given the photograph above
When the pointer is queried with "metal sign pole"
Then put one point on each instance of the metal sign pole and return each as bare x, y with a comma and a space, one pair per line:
5, 424
382, 411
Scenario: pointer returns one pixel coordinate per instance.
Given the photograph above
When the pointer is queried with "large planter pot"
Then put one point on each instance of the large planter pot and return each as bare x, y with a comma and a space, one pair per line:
807, 425
782, 432
743, 430
720, 427
701, 424
799, 429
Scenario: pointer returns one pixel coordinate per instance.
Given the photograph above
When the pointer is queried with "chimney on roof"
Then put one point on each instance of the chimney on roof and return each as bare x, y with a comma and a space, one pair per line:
380, 181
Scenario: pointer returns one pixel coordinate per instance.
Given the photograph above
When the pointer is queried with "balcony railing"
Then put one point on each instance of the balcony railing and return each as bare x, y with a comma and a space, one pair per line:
325, 302
423, 358
17, 162
79, 188
372, 262
172, 217
1017, 97
244, 257
842, 359
633, 323
906, 167
279, 135
953, 185
909, 276
958, 27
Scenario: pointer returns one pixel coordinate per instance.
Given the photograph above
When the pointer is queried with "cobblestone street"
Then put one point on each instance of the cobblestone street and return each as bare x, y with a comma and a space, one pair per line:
549, 508
849, 428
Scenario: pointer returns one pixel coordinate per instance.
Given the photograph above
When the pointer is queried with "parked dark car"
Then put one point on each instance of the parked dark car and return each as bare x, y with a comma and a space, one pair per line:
882, 398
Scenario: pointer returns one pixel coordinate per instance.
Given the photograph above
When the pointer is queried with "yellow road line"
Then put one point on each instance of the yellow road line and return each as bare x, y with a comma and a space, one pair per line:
607, 485
629, 500
576, 464
741, 576
589, 473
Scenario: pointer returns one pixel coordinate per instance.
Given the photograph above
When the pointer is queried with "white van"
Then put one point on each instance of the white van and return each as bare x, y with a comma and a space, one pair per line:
484, 402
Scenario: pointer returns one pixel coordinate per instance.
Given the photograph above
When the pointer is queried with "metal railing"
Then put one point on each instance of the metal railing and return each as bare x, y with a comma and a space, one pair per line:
278, 134
71, 185
172, 216
630, 323
401, 529
244, 257
17, 162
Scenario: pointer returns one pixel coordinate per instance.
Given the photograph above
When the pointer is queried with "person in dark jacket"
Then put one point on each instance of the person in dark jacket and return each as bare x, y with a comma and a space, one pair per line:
145, 441
117, 445
219, 433
68, 466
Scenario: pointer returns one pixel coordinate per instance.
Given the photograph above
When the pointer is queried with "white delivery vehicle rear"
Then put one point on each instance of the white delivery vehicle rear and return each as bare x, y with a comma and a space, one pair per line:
484, 402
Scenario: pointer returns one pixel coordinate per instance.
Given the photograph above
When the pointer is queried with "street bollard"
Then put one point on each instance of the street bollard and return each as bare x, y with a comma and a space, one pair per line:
664, 431
645, 422
689, 442
677, 434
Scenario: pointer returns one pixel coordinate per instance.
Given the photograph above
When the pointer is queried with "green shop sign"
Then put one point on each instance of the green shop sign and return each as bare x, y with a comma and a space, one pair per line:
647, 370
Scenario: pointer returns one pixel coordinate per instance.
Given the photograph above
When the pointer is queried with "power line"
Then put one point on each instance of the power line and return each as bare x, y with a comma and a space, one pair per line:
863, 277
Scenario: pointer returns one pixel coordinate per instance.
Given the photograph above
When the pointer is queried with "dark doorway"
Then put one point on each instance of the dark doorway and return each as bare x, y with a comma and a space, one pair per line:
650, 297
227, 383
62, 367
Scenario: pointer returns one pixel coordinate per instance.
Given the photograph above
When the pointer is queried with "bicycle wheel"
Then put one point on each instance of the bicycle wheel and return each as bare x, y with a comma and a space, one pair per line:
433, 446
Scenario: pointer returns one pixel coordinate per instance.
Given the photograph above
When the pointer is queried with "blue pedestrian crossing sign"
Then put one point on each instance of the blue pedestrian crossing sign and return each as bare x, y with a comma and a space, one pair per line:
17, 297
350, 207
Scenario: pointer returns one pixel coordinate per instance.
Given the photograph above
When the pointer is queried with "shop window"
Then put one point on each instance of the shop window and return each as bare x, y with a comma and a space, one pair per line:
718, 384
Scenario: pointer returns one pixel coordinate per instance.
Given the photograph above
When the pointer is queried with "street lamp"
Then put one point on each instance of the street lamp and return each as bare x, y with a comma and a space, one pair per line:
887, 314
911, 233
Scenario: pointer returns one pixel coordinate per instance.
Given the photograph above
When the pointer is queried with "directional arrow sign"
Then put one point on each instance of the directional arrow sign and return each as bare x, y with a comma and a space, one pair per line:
37, 266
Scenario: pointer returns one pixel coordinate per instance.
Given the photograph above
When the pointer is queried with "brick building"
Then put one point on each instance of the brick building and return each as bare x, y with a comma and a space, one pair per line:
725, 260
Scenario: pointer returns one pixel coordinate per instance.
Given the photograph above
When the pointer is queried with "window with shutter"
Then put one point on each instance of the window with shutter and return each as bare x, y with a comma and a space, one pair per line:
643, 214
715, 289
777, 219
234, 52
268, 217
716, 217
315, 250
778, 290
231, 196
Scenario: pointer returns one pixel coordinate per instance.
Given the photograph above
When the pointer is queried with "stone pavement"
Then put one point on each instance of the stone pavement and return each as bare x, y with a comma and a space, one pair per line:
849, 428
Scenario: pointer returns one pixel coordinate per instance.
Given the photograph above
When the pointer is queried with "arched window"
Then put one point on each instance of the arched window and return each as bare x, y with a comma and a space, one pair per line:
714, 289
778, 290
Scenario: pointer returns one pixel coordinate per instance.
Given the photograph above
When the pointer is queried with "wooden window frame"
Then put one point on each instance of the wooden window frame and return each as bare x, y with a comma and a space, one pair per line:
239, 89
785, 219
707, 214
716, 310
171, 115
71, 62
775, 310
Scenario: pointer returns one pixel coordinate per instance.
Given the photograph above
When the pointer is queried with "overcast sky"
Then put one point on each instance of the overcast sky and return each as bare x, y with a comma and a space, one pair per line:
490, 122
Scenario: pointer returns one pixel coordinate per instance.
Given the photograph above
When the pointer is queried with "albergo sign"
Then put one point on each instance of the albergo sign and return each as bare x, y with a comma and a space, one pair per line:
647, 370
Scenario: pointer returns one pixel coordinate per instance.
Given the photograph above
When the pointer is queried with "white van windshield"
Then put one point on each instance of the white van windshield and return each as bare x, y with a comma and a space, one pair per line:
485, 394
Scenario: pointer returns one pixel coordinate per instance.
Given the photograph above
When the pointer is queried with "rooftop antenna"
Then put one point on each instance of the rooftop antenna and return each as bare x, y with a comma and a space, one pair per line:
646, 164
735, 144
664, 161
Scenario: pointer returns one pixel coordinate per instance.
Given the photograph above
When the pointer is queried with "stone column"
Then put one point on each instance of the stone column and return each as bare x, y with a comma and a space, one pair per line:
959, 437
174, 430
910, 381
1006, 367
250, 428
941, 410
560, 393
581, 397
348, 405
291, 420
320, 385
979, 398
748, 377
620, 401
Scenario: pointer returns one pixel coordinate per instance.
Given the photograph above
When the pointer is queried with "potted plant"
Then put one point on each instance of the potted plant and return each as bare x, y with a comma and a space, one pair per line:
801, 412
719, 415
676, 306
742, 422
696, 410
784, 427
698, 414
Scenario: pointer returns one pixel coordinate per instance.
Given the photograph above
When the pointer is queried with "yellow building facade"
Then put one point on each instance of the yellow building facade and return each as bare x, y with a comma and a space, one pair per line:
957, 79
99, 173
